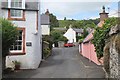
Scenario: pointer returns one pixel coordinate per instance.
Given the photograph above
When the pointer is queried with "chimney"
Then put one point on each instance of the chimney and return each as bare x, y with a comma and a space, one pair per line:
103, 15
47, 12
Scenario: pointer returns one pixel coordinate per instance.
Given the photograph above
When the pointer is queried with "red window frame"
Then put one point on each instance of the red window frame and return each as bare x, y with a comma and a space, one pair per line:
17, 19
23, 46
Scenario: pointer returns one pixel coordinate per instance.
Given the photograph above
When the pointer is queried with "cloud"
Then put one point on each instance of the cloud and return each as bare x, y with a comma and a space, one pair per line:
70, 9
114, 13
79, 1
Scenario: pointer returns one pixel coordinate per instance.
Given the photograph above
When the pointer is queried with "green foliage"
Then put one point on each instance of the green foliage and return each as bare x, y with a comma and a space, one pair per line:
55, 35
46, 52
47, 42
101, 34
62, 38
66, 23
58, 36
53, 21
48, 39
81, 38
65, 18
85, 33
78, 38
9, 34
79, 23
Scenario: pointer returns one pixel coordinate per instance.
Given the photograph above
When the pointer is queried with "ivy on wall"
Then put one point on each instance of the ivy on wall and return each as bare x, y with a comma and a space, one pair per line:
101, 34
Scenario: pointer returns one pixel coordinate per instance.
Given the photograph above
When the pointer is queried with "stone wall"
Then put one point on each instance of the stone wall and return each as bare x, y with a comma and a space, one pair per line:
114, 58
112, 53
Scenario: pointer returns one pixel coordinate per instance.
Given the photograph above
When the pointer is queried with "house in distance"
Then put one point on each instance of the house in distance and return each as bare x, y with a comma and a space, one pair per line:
72, 34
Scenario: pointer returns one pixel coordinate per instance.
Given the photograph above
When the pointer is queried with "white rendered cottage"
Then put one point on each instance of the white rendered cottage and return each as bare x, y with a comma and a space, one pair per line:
72, 34
27, 49
45, 23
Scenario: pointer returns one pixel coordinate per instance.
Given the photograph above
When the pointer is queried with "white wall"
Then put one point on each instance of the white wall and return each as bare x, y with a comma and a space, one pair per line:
0, 10
32, 58
45, 29
70, 35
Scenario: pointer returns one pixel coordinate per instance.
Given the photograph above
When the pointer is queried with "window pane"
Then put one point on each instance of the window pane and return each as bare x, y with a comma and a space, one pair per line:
15, 48
20, 37
12, 13
20, 31
19, 47
16, 13
19, 43
16, 4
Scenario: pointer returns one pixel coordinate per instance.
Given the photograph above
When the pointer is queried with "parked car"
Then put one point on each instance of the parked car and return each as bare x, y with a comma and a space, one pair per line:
69, 45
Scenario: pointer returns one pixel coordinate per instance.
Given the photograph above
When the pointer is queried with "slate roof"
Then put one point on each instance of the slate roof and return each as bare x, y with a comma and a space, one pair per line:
89, 37
61, 29
45, 19
28, 6
31, 5
78, 30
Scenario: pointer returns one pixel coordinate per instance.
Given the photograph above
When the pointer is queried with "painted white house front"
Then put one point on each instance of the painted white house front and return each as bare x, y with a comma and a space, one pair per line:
27, 49
45, 29
45, 24
72, 33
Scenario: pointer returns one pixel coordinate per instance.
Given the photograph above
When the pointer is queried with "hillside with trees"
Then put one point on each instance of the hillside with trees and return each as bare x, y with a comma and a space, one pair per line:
79, 23
53, 21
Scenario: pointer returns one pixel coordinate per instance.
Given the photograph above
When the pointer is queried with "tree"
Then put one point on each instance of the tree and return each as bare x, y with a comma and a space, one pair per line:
65, 18
9, 34
58, 36
78, 23
53, 21
90, 25
63, 38
85, 33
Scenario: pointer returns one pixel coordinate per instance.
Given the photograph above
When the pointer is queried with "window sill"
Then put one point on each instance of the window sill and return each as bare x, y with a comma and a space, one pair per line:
16, 53
17, 19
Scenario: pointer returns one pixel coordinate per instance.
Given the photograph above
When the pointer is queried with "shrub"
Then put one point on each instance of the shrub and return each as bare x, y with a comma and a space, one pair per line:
58, 36
49, 39
46, 52
9, 34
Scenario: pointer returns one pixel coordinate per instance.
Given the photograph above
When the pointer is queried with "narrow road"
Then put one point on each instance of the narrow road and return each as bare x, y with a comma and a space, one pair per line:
64, 63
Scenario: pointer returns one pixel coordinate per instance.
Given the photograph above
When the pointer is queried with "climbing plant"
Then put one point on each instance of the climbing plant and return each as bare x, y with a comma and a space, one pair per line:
101, 34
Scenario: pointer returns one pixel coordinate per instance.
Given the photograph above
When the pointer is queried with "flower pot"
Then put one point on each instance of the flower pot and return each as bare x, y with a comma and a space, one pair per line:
17, 67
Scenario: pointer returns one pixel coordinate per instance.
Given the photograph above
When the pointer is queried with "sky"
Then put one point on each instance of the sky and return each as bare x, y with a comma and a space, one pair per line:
78, 10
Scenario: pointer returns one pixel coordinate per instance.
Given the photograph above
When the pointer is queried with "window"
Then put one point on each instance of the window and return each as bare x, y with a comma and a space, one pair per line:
19, 46
16, 11
16, 4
